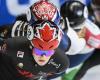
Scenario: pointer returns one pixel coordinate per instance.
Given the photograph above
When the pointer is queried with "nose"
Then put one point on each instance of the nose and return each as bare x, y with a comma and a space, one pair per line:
43, 57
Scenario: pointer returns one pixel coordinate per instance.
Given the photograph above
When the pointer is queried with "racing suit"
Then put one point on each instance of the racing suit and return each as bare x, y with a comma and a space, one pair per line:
19, 51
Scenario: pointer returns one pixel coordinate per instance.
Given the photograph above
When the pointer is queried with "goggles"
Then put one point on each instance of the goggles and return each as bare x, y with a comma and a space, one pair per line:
43, 52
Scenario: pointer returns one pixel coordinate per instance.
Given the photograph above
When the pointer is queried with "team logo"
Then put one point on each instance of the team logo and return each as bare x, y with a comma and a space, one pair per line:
20, 54
46, 33
54, 64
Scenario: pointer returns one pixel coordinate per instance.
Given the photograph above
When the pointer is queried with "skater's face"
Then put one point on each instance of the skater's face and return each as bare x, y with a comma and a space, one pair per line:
42, 57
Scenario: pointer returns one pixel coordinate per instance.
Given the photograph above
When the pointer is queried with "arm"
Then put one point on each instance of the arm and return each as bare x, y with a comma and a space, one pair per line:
91, 33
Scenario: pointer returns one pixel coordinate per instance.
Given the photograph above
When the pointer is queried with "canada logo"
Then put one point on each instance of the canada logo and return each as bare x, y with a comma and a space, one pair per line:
46, 33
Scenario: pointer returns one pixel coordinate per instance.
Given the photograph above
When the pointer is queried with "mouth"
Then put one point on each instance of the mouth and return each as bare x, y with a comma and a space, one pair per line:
41, 60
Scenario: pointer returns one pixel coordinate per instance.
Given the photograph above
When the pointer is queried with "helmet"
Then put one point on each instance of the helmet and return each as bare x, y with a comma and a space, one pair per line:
75, 11
43, 10
44, 35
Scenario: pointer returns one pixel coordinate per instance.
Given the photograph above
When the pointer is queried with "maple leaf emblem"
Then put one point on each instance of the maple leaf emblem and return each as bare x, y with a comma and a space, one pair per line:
46, 33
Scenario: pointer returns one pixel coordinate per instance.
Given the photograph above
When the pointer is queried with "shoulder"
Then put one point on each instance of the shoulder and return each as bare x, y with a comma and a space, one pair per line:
17, 42
59, 53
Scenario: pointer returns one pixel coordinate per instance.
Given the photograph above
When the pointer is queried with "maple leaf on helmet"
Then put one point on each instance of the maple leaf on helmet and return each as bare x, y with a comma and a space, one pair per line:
46, 35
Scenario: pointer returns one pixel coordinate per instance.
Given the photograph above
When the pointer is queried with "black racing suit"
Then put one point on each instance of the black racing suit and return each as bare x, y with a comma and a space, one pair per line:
18, 53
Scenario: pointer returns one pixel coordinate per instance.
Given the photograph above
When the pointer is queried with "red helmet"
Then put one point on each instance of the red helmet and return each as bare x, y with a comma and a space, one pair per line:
43, 10
45, 35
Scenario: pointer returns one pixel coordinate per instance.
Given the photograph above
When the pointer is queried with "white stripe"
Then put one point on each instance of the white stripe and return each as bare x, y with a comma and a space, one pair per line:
14, 28
55, 15
24, 29
18, 34
77, 44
